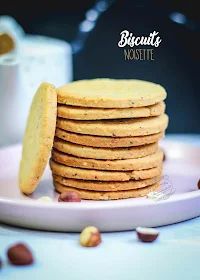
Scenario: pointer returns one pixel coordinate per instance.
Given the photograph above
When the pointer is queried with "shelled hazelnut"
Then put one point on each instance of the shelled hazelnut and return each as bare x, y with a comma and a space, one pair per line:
69, 197
90, 237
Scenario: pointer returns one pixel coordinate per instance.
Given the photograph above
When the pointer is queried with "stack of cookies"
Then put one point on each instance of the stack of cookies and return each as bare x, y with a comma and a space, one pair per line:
106, 139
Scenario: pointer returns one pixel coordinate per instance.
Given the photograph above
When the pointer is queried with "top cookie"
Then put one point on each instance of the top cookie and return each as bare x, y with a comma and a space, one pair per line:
38, 138
110, 93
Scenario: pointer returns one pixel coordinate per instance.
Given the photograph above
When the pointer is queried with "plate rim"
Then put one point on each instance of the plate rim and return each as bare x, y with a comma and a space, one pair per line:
98, 205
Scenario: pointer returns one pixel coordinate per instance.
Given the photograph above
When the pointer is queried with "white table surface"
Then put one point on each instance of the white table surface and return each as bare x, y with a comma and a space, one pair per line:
175, 255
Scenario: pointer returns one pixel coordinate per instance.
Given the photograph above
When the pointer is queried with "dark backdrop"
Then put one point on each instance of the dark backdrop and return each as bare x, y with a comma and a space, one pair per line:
176, 64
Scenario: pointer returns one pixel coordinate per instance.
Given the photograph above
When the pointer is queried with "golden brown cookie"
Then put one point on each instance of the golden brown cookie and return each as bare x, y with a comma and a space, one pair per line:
110, 93
99, 175
97, 195
116, 128
107, 142
83, 113
38, 138
147, 162
104, 153
105, 186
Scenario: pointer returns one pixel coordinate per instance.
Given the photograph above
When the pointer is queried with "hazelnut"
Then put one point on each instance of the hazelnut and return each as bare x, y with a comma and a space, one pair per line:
90, 237
198, 184
147, 234
19, 254
69, 197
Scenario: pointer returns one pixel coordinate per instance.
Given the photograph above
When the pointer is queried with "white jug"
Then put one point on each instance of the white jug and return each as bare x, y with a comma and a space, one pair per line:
40, 59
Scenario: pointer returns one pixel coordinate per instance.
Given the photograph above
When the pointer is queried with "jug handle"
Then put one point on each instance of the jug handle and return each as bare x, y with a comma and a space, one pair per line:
89, 23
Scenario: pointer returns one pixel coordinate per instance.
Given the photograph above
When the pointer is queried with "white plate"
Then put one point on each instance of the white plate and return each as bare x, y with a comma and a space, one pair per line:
182, 167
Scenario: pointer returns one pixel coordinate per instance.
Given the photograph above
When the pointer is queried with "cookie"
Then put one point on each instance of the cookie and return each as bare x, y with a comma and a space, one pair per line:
97, 195
116, 128
104, 153
99, 175
83, 113
123, 165
38, 138
105, 186
110, 93
107, 142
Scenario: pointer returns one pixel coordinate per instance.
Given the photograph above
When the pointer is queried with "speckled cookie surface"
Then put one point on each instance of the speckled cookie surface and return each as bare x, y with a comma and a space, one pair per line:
38, 138
150, 161
83, 113
97, 195
104, 153
118, 128
110, 93
105, 186
100, 175
107, 142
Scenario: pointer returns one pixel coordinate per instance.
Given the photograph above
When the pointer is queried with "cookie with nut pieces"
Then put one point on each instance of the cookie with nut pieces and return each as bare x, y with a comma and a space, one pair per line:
104, 186
106, 141
116, 128
85, 113
111, 93
104, 153
97, 195
140, 163
38, 138
103, 175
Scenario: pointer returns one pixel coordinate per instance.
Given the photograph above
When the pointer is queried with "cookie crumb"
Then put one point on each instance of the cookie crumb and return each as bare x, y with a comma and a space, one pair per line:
45, 199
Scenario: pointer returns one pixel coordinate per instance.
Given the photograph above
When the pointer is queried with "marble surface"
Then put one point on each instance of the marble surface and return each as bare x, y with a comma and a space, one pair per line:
175, 255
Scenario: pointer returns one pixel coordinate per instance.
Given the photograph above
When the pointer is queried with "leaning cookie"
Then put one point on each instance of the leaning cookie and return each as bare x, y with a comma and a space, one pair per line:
38, 138
94, 195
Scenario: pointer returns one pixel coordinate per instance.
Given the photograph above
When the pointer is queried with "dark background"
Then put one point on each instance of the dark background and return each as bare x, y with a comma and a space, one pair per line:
176, 64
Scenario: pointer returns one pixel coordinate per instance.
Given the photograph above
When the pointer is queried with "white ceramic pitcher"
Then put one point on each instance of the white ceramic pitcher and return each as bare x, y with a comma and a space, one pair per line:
40, 59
